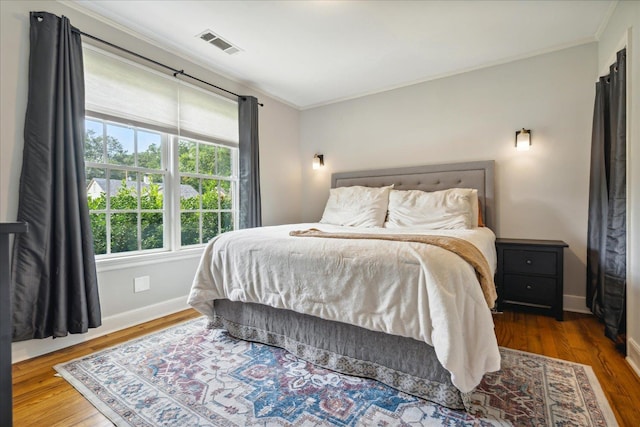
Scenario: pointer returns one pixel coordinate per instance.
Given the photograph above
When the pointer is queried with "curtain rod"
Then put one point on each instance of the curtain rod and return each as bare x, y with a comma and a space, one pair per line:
175, 71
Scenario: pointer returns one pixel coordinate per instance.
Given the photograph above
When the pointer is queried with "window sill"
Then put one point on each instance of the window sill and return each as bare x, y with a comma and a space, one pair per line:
132, 261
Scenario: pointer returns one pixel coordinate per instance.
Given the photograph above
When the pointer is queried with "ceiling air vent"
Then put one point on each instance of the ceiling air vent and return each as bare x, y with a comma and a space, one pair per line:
214, 39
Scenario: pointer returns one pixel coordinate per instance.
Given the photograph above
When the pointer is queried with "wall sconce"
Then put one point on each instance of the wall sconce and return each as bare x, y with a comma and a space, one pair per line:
523, 139
318, 161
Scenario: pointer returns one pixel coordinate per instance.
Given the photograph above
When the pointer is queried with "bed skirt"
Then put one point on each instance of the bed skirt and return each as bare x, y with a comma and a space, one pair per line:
405, 364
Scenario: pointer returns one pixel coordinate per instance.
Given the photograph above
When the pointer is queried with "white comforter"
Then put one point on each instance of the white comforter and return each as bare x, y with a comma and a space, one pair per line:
408, 289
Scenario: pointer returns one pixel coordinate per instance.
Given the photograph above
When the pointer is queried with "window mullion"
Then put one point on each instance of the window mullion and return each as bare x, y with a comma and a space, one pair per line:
138, 191
174, 188
107, 172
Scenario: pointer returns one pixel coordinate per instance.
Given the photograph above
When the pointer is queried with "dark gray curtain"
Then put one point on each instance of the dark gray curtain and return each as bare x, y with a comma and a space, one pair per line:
55, 286
606, 245
250, 210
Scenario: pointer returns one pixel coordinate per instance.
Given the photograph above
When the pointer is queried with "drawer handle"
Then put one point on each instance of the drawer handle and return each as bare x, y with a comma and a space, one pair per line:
529, 286
528, 262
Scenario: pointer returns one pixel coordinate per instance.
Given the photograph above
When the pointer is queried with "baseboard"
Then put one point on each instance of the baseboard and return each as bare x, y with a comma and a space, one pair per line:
633, 355
28, 349
575, 303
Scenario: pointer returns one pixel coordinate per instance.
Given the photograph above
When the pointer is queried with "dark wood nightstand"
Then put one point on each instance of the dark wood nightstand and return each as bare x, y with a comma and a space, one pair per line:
529, 275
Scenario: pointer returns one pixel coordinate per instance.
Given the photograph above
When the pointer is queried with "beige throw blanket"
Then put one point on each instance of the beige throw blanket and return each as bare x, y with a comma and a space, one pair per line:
466, 250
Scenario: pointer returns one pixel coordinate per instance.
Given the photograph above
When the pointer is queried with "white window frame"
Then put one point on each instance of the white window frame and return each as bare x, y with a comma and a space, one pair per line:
233, 179
107, 167
172, 247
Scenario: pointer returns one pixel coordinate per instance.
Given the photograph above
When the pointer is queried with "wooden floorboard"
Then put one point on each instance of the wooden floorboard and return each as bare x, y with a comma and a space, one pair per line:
42, 399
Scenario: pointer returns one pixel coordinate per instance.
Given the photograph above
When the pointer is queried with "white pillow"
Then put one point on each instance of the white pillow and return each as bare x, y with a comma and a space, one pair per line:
446, 209
357, 206
474, 208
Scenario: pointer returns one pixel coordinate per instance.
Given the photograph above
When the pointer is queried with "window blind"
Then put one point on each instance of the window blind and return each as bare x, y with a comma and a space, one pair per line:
116, 87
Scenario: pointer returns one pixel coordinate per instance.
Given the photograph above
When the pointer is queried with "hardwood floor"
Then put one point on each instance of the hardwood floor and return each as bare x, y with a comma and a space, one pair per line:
41, 399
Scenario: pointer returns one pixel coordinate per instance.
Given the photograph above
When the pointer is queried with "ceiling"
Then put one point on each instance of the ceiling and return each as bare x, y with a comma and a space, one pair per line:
311, 53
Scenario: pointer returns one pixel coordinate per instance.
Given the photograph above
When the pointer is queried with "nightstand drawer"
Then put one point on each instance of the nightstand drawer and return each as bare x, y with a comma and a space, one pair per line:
537, 262
528, 289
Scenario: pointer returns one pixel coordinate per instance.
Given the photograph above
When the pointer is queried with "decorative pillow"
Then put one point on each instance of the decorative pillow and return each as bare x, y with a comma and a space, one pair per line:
446, 209
475, 207
357, 206
476, 220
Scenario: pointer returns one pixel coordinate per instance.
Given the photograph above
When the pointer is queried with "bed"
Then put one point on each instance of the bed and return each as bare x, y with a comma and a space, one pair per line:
310, 294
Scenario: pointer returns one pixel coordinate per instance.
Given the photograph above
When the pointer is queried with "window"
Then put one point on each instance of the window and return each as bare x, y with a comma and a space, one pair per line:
208, 169
125, 186
161, 159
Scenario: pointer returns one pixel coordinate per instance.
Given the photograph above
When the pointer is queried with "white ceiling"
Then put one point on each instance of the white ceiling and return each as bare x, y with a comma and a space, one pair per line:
310, 53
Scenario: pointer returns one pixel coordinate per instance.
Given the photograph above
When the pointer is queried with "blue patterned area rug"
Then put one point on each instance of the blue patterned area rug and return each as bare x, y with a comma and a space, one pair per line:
188, 375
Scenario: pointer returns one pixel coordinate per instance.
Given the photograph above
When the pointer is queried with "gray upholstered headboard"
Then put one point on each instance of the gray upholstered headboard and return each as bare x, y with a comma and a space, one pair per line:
477, 175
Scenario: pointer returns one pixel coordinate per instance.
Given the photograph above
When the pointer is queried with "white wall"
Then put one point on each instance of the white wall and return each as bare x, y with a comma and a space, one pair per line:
542, 193
624, 27
170, 279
